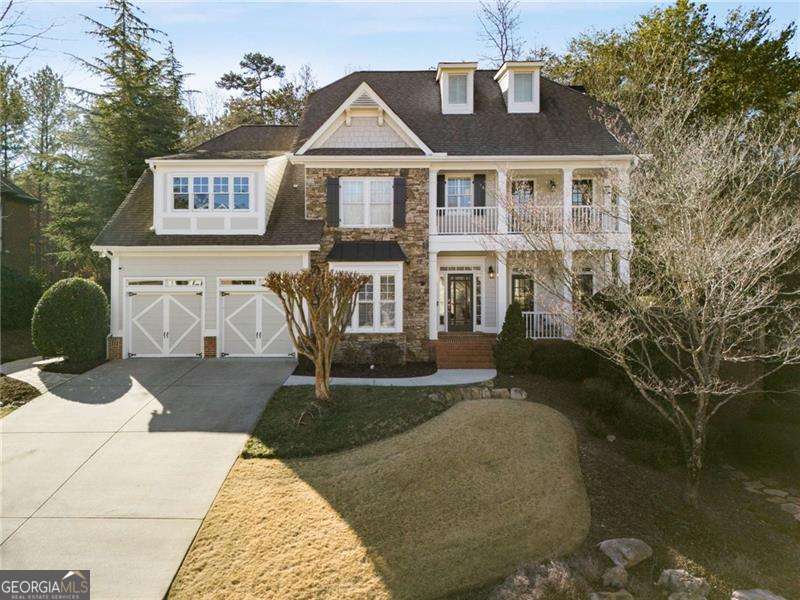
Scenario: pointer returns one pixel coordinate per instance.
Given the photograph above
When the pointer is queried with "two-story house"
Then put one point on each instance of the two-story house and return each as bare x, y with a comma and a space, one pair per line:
401, 175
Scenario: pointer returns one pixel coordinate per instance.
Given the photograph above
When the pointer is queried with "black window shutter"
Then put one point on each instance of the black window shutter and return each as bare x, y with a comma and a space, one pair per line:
440, 183
479, 182
332, 189
399, 201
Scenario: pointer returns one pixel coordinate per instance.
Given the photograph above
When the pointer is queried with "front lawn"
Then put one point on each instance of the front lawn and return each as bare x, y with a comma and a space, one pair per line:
14, 393
361, 415
448, 505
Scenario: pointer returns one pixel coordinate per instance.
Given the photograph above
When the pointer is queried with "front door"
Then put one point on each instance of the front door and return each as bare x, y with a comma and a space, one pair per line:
459, 308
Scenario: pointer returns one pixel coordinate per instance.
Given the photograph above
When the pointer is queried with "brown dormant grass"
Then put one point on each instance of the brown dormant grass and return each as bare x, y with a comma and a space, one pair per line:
456, 502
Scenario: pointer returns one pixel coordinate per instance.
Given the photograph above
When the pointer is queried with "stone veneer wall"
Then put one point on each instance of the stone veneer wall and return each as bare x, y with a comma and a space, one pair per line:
413, 239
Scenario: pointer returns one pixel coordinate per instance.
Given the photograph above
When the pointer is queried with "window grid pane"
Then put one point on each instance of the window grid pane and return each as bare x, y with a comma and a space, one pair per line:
459, 193
241, 193
180, 193
200, 192
352, 202
582, 192
380, 203
365, 305
457, 89
221, 192
522, 191
523, 87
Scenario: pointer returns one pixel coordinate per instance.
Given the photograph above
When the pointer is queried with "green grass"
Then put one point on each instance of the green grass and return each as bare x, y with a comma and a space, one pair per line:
359, 415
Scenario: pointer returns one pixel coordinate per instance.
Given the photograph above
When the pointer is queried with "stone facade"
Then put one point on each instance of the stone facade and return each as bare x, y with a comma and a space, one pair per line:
209, 347
413, 239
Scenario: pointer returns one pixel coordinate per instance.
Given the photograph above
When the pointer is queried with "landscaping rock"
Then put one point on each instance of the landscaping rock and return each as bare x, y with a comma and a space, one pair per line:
518, 394
790, 508
486, 393
755, 595
618, 595
685, 596
776, 500
502, 393
774, 492
679, 580
625, 552
755, 484
615, 577
611, 438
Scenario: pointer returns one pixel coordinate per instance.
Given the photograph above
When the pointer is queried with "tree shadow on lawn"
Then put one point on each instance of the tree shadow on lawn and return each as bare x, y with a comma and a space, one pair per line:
458, 501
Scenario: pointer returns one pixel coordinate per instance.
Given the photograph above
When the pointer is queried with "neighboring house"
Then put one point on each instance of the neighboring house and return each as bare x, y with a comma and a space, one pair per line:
399, 175
18, 226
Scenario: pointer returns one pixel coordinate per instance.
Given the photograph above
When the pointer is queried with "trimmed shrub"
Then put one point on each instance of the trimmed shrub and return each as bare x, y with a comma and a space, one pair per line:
387, 354
600, 395
652, 453
512, 350
596, 426
71, 320
18, 296
763, 444
561, 359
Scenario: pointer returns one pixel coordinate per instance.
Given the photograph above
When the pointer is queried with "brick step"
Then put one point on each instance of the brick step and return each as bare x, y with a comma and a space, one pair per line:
464, 352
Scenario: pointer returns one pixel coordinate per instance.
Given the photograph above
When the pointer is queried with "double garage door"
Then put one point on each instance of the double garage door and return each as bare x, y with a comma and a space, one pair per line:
166, 318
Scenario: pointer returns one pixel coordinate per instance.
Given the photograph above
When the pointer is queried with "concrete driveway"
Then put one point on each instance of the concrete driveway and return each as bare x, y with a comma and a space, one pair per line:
113, 470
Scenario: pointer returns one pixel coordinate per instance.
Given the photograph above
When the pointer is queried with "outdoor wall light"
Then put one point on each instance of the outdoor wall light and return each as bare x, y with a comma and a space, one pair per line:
552, 185
491, 272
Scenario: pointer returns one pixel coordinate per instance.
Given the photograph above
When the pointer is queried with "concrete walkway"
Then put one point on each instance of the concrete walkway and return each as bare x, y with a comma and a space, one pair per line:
441, 377
114, 470
26, 370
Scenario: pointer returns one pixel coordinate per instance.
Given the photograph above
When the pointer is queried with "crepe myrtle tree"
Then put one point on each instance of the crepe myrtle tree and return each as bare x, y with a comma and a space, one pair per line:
715, 245
318, 305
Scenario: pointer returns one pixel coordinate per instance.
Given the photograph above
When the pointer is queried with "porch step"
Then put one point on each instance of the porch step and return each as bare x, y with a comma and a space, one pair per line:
464, 351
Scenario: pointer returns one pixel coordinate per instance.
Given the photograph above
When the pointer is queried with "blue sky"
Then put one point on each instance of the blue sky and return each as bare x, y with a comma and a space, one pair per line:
334, 38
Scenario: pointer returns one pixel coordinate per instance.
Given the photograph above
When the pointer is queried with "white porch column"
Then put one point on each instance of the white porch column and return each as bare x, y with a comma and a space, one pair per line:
502, 199
625, 267
502, 289
568, 281
433, 296
116, 298
567, 200
432, 175
622, 201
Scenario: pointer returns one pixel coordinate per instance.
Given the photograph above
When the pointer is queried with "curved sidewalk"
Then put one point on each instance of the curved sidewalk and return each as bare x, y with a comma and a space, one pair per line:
441, 377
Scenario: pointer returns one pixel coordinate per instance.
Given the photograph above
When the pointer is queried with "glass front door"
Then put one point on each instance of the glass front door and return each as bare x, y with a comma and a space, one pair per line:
459, 306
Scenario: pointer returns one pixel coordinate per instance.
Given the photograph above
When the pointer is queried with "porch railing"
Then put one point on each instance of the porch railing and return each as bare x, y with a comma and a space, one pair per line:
467, 220
544, 326
589, 219
535, 219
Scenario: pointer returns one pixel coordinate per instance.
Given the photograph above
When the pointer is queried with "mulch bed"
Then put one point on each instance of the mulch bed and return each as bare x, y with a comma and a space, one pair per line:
14, 393
735, 539
410, 369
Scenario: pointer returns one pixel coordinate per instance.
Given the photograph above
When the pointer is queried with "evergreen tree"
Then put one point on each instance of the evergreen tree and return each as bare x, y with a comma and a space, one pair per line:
13, 117
257, 69
512, 350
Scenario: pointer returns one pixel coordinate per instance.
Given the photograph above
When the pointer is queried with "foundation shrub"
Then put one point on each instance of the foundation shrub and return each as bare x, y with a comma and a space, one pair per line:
561, 359
387, 354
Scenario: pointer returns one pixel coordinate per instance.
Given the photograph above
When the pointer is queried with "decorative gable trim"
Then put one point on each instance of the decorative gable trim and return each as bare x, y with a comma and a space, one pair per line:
364, 97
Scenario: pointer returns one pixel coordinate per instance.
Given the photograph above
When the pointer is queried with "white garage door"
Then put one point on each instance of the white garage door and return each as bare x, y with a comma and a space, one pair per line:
252, 320
164, 323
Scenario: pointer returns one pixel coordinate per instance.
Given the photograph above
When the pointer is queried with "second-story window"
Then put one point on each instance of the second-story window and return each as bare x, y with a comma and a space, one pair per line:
366, 202
211, 193
459, 192
457, 89
581, 192
522, 192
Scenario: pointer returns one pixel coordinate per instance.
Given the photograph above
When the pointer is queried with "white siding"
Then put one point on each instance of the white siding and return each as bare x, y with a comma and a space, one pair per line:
208, 266
364, 132
275, 169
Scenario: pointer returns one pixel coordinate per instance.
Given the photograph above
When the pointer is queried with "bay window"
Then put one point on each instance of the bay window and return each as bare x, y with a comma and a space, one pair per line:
366, 202
211, 193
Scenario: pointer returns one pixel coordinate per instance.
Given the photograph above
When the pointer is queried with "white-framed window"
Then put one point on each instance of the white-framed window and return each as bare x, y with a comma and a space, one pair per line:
366, 202
379, 302
459, 192
457, 89
523, 190
523, 88
202, 193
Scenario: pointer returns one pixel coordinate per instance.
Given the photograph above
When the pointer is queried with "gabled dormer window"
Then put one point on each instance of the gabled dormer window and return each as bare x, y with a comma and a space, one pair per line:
211, 193
456, 86
523, 88
457, 89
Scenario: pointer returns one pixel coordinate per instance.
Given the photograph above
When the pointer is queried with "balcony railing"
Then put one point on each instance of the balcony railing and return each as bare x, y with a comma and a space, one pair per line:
467, 220
532, 219
544, 326
536, 219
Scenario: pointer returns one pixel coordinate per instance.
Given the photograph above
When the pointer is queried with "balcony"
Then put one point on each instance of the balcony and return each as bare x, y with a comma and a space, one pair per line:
487, 220
544, 326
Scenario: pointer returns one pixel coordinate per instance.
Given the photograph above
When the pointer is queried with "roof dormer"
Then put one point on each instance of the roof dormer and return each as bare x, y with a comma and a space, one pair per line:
519, 82
457, 87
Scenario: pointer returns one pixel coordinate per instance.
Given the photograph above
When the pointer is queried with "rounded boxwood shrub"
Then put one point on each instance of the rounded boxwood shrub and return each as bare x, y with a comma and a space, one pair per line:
18, 296
513, 349
71, 320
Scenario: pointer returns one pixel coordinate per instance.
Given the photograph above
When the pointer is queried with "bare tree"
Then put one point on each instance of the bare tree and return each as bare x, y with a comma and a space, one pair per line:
318, 304
17, 34
500, 23
708, 313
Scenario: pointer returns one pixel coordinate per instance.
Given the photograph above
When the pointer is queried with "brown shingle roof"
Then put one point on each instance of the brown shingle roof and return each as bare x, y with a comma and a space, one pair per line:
132, 224
244, 141
564, 125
